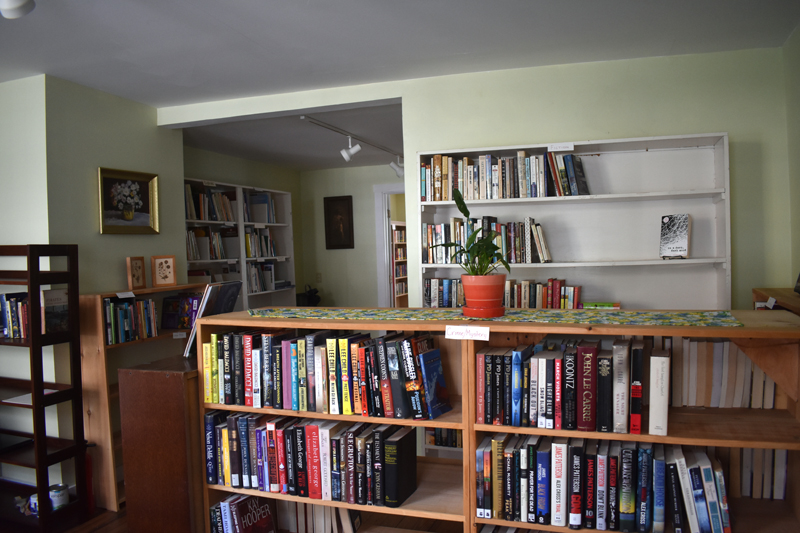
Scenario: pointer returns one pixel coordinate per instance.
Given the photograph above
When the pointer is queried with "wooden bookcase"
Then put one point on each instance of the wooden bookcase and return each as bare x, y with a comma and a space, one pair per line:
608, 242
41, 448
100, 363
446, 490
399, 265
247, 219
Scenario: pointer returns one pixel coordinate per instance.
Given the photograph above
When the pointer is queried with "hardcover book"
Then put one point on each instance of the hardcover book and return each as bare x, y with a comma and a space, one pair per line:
587, 389
55, 310
400, 456
605, 391
628, 482
637, 379
644, 489
543, 477
559, 490
436, 396
659, 392
575, 476
675, 236
621, 386
590, 484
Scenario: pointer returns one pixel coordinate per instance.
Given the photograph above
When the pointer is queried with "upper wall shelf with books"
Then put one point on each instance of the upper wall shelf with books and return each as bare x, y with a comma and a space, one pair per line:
629, 185
242, 233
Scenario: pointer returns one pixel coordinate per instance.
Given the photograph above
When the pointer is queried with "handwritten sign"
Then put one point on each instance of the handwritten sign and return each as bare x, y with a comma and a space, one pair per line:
463, 333
561, 147
125, 295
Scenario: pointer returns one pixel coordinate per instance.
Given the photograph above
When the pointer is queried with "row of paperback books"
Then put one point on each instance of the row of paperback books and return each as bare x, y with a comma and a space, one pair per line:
357, 463
392, 376
259, 243
14, 313
202, 244
209, 205
604, 485
302, 517
129, 319
519, 242
445, 437
573, 383
243, 514
14, 307
523, 294
492, 177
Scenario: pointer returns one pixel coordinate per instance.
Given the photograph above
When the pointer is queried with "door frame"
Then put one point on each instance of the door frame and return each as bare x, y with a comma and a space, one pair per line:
382, 243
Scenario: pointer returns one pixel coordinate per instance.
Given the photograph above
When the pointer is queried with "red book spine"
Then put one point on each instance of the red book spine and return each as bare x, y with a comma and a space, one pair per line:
556, 294
313, 464
386, 385
587, 385
481, 389
272, 483
280, 444
557, 394
247, 342
550, 293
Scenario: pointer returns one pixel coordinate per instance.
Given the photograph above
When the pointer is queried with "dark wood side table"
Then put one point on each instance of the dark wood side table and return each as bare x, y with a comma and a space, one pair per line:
161, 445
786, 298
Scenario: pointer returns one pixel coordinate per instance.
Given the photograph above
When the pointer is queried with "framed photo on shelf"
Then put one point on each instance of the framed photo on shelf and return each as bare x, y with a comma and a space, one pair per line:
162, 270
338, 222
128, 201
136, 278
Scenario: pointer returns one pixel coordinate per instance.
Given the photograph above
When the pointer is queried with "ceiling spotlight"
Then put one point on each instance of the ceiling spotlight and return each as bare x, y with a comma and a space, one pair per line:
347, 153
398, 168
14, 9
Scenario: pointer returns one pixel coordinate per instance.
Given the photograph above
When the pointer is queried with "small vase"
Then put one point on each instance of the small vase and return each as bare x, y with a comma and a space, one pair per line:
127, 213
484, 295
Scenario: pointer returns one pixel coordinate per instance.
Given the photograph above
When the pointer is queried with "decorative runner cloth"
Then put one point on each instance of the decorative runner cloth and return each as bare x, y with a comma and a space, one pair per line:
551, 316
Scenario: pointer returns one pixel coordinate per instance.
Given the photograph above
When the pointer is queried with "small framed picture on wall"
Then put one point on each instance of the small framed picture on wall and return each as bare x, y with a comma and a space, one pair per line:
162, 270
136, 278
338, 222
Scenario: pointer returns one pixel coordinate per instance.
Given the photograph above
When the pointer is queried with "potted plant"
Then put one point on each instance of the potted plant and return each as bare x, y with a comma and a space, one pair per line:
479, 257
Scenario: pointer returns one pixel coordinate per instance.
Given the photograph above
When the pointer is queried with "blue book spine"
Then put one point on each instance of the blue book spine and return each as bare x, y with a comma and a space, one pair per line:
644, 492
295, 384
244, 446
211, 420
573, 185
422, 188
479, 500
713, 504
516, 388
542, 487
700, 500
260, 458
446, 293
659, 494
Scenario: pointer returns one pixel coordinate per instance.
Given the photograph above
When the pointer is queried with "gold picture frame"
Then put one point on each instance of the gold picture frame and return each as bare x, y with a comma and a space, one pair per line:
128, 202
136, 273
162, 271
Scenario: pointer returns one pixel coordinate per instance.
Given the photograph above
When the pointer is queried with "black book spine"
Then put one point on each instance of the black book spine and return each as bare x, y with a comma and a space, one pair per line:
375, 382
370, 475
576, 476
605, 390
569, 391
238, 370
550, 393
227, 355
637, 376
532, 484
517, 486
488, 376
350, 462
244, 446
613, 493
210, 421
291, 457
336, 484
300, 466
507, 389
400, 459
277, 376
497, 391
675, 507
361, 472
590, 490
508, 485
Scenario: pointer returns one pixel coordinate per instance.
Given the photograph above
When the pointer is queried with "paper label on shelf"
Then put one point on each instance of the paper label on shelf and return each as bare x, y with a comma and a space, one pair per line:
231, 261
561, 147
229, 224
771, 302
260, 260
209, 183
126, 295
461, 333
260, 226
179, 335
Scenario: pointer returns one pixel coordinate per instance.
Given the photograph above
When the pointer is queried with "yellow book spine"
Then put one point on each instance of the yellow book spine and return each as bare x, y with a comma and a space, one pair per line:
207, 382
226, 457
333, 393
344, 356
214, 369
302, 375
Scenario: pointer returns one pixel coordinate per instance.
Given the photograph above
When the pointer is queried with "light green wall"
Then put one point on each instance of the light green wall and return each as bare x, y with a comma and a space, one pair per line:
206, 165
23, 164
87, 129
791, 68
742, 93
349, 277
397, 207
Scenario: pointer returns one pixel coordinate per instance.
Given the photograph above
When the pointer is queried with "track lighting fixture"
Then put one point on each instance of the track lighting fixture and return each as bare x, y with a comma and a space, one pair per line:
351, 150
398, 168
14, 9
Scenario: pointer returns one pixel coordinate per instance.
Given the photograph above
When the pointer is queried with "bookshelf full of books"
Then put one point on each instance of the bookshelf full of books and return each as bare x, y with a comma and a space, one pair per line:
242, 233
588, 212
695, 426
399, 264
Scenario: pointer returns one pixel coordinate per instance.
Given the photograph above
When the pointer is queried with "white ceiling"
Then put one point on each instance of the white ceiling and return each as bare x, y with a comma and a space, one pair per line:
173, 52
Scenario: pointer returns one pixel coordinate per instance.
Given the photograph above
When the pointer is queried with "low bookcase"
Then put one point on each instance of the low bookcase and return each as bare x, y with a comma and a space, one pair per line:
446, 489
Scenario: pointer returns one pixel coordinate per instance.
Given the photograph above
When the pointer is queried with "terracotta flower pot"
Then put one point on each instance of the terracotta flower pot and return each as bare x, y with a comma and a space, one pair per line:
484, 295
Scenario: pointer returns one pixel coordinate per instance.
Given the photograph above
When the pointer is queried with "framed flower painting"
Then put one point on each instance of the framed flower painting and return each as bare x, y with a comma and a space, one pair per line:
162, 269
128, 201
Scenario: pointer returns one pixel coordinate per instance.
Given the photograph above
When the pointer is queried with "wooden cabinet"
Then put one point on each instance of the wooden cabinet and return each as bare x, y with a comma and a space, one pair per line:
399, 265
447, 490
241, 233
158, 409
33, 451
100, 362
608, 241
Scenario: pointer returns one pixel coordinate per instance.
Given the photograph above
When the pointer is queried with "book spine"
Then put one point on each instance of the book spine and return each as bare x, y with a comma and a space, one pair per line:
542, 514
587, 389
523, 495
302, 376
350, 458
228, 368
550, 395
675, 499
479, 492
209, 420
363, 381
569, 409
397, 380
313, 460
247, 368
336, 485
508, 485
361, 471
659, 394
590, 491
644, 490
488, 378
291, 457
260, 469
601, 509
413, 383
325, 462
273, 463
605, 384
575, 460
346, 370
375, 381
525, 420
277, 376
301, 460
558, 381
516, 388
480, 390
703, 517
621, 387
637, 376
659, 496
386, 386
294, 376
333, 377
238, 370
234, 453
613, 493
507, 389
311, 375
627, 495
559, 510
497, 390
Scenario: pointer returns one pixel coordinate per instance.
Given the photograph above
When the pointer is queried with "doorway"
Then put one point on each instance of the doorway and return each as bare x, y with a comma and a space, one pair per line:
383, 237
